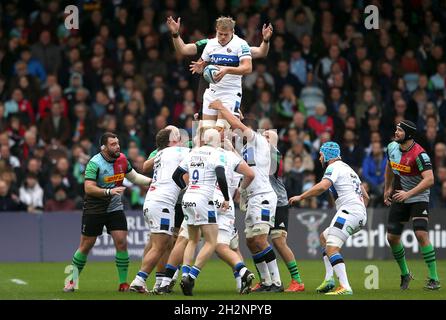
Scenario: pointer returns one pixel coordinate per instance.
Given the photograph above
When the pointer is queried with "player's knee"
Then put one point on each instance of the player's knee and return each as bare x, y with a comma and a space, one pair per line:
419, 225
395, 228
278, 235
121, 244
260, 243
393, 239
331, 250
333, 241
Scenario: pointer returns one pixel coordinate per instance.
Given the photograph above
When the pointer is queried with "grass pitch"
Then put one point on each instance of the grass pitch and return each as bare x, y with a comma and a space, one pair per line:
99, 281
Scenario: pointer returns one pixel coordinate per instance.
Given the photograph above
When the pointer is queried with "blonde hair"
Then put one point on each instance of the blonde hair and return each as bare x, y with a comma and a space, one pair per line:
225, 23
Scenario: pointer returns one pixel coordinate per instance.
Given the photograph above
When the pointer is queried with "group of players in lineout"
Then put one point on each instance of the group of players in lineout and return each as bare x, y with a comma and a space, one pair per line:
224, 164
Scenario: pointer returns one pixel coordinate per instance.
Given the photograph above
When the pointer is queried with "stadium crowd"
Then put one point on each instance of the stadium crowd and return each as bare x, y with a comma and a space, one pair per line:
325, 77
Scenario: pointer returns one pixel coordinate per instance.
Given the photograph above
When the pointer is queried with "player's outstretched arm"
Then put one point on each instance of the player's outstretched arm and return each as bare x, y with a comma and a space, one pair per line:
234, 122
138, 178
188, 49
262, 50
314, 191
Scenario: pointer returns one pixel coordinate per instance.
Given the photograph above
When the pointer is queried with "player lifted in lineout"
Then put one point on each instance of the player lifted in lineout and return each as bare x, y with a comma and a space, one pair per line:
232, 56
196, 48
351, 200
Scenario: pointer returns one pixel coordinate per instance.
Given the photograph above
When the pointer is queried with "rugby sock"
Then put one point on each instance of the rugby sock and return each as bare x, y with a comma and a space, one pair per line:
240, 268
429, 257
122, 263
159, 276
338, 264
185, 269
141, 277
170, 272
238, 280
271, 261
79, 260
294, 271
258, 272
175, 276
328, 267
400, 257
262, 267
194, 272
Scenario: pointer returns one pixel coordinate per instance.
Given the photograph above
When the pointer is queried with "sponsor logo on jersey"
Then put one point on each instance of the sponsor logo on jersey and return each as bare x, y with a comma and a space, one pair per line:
400, 167
114, 178
197, 164
229, 50
189, 204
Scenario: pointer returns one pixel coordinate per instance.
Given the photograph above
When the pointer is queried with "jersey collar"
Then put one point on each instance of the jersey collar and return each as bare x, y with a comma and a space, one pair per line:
408, 149
228, 41
109, 161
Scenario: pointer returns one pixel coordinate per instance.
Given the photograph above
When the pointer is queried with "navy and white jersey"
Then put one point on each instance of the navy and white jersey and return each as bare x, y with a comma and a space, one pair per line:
256, 153
346, 185
230, 55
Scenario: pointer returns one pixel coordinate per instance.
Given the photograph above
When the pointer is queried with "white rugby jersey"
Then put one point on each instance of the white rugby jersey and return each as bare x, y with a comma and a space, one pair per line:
232, 177
163, 188
230, 55
256, 153
200, 163
346, 185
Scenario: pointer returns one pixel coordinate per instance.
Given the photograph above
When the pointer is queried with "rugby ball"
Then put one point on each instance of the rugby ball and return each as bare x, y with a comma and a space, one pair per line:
209, 73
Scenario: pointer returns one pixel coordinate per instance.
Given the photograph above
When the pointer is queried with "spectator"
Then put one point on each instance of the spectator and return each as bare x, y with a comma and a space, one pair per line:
284, 77
373, 169
31, 194
294, 177
9, 201
54, 95
298, 149
56, 126
320, 122
60, 202
47, 53
352, 153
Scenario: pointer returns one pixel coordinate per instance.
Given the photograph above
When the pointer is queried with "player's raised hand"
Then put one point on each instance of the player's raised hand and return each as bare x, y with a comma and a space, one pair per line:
174, 26
197, 66
216, 105
117, 190
267, 31
294, 200
220, 74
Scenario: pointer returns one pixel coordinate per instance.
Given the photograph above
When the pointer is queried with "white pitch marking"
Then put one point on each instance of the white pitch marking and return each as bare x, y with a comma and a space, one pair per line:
19, 282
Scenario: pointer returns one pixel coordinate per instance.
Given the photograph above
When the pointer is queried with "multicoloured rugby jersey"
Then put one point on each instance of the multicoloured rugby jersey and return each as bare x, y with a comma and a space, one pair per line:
107, 174
407, 167
275, 178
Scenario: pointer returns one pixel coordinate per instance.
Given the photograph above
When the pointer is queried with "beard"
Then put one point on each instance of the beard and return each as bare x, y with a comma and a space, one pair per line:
399, 140
114, 155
